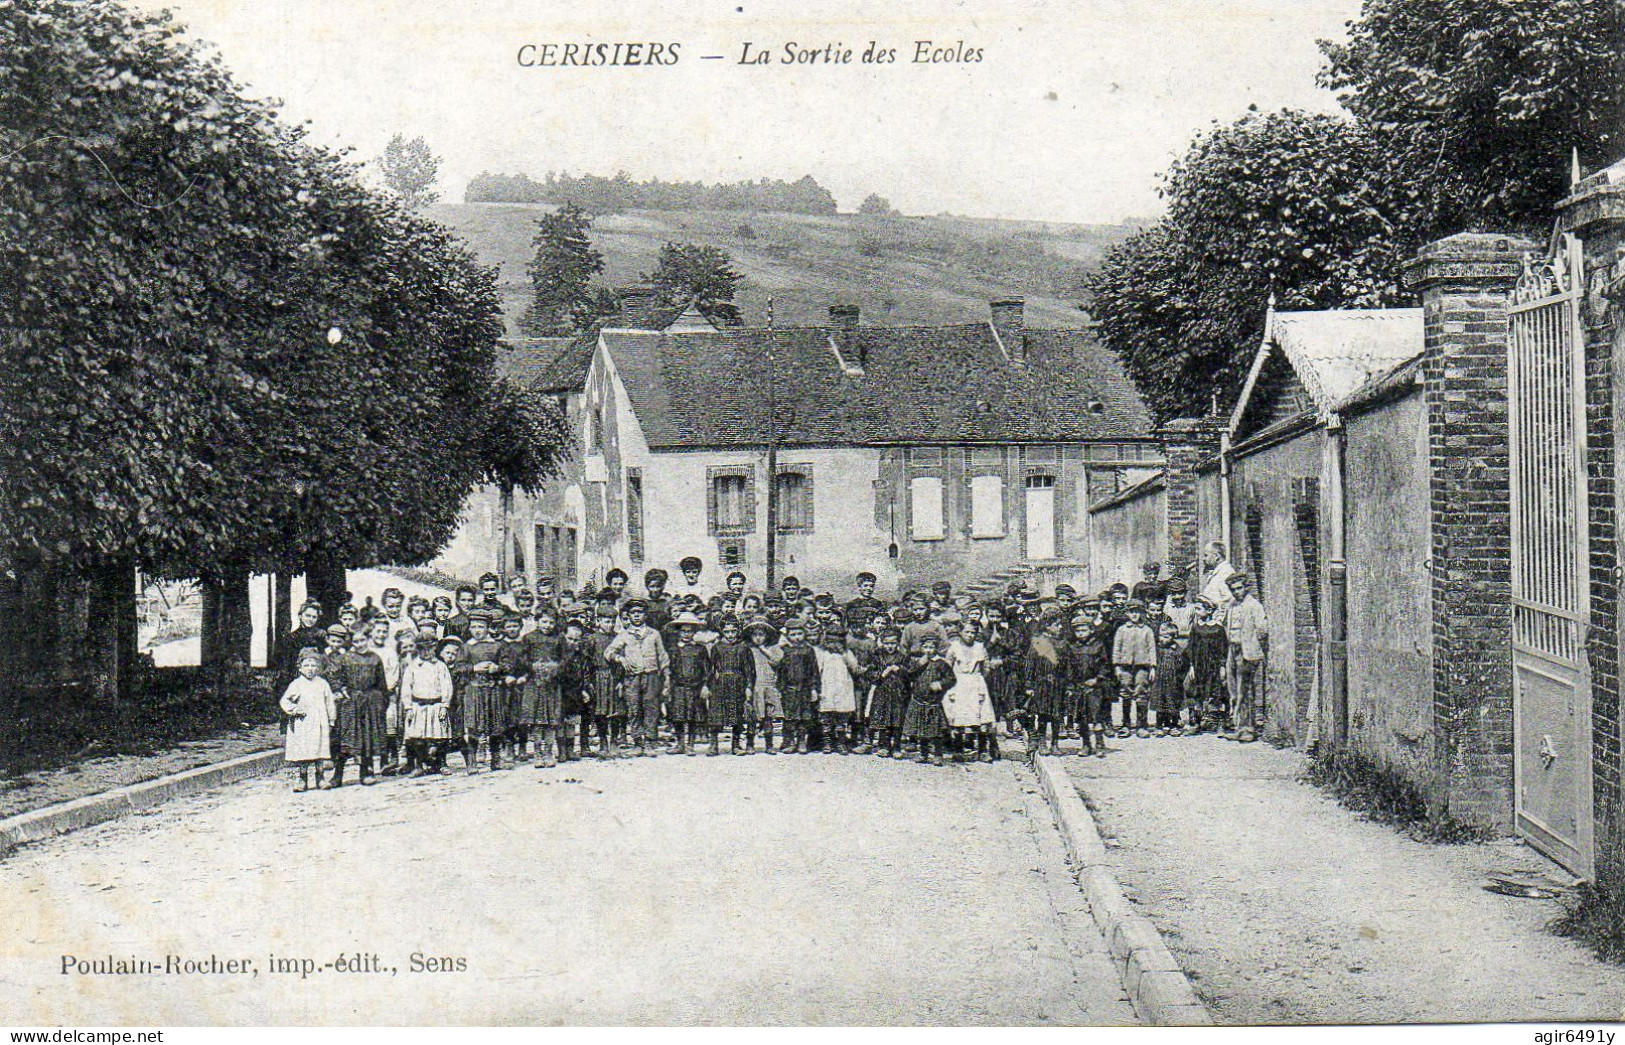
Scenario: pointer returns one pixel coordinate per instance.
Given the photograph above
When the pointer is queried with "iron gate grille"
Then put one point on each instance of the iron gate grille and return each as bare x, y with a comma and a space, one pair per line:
1546, 406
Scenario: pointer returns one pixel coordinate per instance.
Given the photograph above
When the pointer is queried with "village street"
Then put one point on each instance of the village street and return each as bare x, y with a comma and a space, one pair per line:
792, 890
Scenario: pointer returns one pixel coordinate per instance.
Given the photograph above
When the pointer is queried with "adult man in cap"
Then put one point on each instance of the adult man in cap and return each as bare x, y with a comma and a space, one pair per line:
640, 651
1248, 631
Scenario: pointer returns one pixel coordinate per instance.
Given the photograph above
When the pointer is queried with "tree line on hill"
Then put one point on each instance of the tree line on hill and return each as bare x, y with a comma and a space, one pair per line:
225, 353
1461, 116
596, 194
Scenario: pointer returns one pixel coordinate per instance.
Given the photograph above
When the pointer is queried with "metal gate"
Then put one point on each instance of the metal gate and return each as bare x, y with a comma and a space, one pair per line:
1550, 540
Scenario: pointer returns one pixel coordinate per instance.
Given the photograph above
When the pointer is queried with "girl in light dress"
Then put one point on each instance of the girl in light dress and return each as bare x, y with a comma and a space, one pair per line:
309, 704
969, 705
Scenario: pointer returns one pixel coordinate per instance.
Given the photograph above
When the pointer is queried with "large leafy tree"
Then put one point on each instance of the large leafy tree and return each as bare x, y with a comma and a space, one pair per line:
564, 299
704, 275
224, 352
1287, 203
1464, 115
1480, 102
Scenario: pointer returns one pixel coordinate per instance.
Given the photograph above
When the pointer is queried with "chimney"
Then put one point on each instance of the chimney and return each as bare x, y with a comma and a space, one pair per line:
843, 321
635, 308
1009, 321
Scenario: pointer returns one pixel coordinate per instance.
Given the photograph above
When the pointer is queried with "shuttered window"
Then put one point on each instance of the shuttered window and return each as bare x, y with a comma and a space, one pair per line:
925, 508
987, 506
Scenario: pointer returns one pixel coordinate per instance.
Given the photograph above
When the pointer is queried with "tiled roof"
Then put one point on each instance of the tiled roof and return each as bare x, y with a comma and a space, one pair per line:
874, 385
1396, 381
546, 364
1335, 352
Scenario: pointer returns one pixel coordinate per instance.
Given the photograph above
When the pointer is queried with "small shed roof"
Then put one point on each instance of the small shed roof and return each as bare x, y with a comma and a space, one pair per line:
1335, 352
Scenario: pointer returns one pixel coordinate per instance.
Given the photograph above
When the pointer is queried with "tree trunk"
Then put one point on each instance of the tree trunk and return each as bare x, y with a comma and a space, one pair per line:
210, 593
228, 629
111, 637
280, 614
326, 582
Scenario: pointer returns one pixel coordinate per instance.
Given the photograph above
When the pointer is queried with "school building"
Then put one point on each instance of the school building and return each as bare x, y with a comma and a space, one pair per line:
967, 452
1427, 497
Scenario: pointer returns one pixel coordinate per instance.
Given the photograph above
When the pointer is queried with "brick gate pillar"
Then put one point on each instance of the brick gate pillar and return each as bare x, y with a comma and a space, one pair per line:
1186, 443
1595, 212
1464, 282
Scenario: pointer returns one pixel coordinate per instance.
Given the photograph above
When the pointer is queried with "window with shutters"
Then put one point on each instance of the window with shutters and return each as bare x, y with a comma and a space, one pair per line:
634, 513
926, 522
793, 492
987, 506
731, 500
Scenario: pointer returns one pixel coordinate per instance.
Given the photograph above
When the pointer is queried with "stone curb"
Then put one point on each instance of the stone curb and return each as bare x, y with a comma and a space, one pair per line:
63, 817
1155, 983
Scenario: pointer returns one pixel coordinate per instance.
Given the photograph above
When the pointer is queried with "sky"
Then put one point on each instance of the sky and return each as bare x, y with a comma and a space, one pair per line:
1069, 115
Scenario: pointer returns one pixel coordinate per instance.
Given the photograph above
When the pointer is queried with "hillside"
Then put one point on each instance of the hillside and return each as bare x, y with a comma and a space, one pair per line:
899, 270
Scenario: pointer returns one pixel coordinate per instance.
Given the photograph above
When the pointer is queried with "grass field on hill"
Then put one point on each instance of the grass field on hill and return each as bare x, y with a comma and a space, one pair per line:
925, 270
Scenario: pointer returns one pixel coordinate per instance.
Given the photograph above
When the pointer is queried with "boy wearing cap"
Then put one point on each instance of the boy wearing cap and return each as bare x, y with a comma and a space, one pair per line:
798, 687
1178, 609
574, 679
1134, 658
1150, 589
426, 694
607, 701
920, 626
767, 704
1046, 686
1207, 654
640, 653
1248, 632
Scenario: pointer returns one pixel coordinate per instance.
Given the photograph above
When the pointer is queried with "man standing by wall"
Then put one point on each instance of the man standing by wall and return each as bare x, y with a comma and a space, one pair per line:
1216, 574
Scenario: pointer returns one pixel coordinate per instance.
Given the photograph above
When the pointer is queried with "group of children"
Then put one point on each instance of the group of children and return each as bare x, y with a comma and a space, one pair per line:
395, 690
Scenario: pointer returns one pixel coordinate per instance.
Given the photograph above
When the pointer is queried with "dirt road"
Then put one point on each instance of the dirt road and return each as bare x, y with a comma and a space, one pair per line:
820, 889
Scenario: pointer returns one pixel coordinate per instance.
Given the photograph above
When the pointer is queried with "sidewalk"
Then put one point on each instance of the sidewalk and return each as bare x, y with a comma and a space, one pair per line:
29, 791
1284, 907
